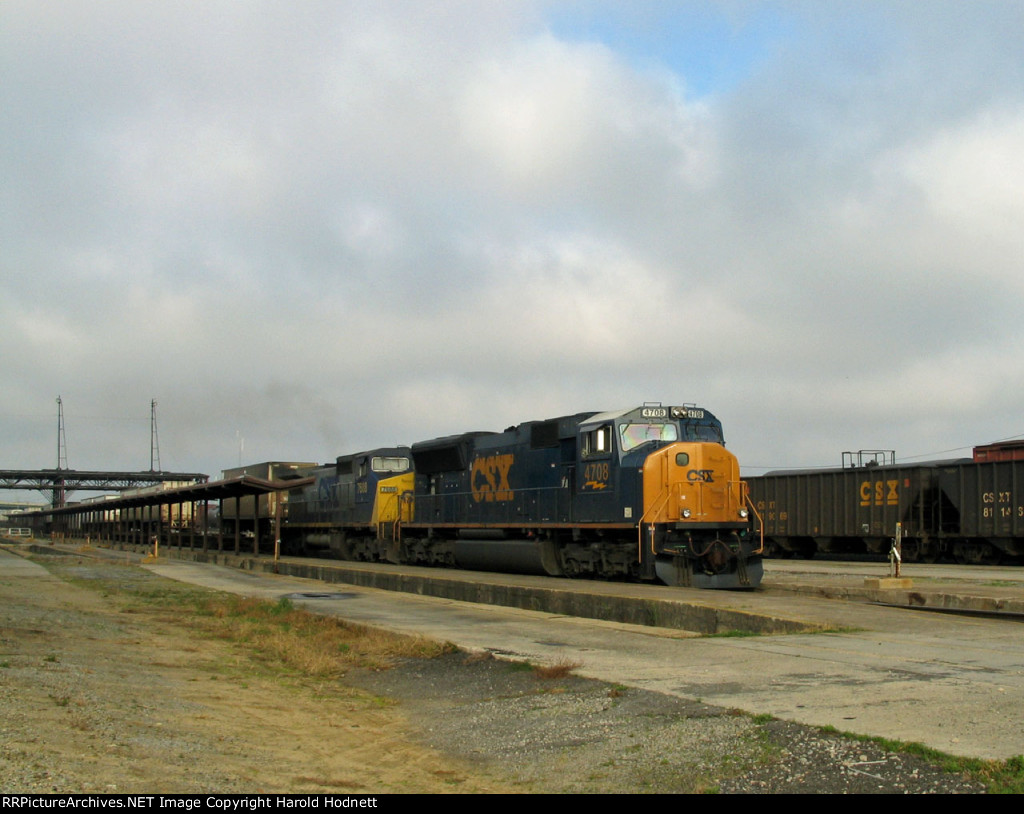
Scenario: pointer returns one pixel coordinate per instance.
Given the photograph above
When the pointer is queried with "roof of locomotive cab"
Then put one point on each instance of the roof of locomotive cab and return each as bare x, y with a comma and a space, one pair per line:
599, 418
449, 440
400, 450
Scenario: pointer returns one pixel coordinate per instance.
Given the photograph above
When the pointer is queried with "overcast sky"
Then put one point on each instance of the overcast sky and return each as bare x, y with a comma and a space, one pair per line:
308, 228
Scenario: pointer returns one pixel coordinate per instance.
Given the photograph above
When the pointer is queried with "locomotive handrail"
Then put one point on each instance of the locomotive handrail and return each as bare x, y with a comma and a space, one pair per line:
655, 504
744, 497
760, 522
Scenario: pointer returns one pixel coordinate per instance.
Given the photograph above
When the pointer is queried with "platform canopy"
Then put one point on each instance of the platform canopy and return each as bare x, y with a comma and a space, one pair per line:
242, 486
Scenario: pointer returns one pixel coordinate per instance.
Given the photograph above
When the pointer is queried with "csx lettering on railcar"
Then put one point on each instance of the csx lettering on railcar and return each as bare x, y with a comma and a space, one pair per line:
878, 492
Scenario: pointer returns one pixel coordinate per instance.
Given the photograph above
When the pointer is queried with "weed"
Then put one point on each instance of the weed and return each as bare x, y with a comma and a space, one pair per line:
282, 606
560, 669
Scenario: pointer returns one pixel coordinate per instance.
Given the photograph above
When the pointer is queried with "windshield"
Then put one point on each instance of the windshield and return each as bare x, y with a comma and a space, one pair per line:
389, 464
703, 432
633, 435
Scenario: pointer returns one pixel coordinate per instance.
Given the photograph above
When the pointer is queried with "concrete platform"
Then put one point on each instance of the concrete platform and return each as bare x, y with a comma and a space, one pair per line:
770, 609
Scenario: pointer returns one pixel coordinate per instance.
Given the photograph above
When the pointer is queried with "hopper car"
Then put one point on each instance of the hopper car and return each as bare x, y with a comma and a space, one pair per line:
970, 510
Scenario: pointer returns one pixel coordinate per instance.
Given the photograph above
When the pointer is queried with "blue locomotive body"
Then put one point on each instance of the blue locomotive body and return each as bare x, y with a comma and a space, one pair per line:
646, 493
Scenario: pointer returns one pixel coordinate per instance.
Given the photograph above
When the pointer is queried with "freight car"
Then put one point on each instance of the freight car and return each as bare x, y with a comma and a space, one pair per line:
646, 493
970, 510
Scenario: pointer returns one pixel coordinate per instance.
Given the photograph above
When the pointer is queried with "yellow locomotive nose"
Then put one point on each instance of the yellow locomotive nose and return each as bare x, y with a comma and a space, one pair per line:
693, 483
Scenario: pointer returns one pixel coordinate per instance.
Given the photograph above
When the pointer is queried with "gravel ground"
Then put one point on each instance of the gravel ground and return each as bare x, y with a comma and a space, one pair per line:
94, 700
577, 735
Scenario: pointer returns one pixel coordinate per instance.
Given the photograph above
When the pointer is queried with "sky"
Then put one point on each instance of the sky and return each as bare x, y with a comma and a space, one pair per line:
314, 227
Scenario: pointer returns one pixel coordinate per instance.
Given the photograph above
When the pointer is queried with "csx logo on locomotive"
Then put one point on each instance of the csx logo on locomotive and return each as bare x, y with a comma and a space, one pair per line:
489, 478
701, 476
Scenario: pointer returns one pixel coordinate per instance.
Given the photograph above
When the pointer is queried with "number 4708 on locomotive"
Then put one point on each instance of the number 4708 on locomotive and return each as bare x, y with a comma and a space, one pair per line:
646, 493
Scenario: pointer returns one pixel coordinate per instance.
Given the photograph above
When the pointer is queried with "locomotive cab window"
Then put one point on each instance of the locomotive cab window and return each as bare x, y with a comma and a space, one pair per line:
703, 432
633, 435
389, 464
682, 459
598, 442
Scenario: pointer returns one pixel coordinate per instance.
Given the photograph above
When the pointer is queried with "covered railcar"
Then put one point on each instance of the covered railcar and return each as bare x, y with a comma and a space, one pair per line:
964, 509
981, 518
851, 510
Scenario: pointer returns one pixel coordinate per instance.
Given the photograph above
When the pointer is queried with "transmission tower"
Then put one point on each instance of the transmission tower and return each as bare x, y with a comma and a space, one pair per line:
154, 440
57, 495
62, 442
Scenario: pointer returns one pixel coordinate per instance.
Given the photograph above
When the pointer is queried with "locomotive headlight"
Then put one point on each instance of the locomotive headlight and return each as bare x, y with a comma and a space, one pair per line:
743, 513
686, 512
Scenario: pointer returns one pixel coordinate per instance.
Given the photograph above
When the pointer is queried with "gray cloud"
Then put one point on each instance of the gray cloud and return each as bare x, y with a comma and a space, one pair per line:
308, 228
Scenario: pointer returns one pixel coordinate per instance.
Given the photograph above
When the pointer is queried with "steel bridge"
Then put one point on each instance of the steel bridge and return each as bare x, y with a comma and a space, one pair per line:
60, 482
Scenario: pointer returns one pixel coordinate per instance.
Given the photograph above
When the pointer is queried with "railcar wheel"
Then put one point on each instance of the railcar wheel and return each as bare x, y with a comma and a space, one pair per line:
975, 553
910, 551
776, 551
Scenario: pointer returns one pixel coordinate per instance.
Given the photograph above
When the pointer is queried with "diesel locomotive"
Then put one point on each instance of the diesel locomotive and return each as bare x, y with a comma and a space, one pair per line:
970, 510
648, 493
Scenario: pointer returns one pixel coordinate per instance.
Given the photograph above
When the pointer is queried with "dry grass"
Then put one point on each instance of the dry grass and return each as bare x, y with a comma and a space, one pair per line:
320, 646
277, 634
558, 669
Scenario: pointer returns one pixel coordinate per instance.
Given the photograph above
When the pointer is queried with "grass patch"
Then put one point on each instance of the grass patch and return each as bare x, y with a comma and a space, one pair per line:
1000, 776
276, 634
